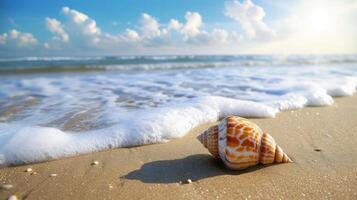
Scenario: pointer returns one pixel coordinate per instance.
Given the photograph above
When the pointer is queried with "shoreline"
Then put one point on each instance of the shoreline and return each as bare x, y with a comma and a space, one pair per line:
155, 171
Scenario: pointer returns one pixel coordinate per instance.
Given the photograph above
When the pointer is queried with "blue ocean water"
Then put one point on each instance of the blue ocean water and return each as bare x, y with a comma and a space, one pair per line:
101, 63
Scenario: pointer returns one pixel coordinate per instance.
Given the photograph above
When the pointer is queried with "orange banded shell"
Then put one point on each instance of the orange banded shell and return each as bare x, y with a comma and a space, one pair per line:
240, 143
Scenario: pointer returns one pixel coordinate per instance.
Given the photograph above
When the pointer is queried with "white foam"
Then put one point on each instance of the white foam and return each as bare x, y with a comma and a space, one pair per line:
344, 87
23, 144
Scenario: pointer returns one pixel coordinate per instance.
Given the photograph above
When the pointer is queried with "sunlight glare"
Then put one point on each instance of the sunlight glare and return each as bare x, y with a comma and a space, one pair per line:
318, 20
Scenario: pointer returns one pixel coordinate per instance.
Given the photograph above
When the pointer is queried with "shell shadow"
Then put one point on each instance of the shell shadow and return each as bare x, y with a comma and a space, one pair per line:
194, 167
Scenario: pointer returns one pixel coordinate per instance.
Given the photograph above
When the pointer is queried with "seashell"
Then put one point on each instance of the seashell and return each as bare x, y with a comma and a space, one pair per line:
240, 143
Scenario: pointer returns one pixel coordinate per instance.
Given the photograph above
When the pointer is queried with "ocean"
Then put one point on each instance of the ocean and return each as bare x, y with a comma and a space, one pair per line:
54, 107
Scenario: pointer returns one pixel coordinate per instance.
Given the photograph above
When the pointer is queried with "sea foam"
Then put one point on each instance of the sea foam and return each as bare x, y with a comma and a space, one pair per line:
25, 143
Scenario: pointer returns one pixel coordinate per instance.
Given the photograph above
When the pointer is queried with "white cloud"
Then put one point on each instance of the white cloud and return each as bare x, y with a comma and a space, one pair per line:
3, 38
217, 37
85, 34
174, 25
46, 45
15, 38
250, 17
150, 27
82, 25
27, 39
192, 25
55, 26
131, 35
14, 34
220, 35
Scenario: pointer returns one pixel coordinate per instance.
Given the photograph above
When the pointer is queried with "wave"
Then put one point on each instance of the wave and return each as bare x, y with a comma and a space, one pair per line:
291, 58
117, 67
125, 63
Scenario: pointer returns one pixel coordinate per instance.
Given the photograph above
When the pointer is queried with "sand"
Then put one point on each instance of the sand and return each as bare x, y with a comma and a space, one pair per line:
155, 171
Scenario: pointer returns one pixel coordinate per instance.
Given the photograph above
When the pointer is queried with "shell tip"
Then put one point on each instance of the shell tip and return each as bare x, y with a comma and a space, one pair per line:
290, 161
286, 159
200, 138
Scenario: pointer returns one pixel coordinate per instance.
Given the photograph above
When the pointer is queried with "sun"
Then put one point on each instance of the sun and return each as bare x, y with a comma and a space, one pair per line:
317, 20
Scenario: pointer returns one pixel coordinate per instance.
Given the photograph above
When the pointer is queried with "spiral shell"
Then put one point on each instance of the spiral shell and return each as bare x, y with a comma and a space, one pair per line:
240, 143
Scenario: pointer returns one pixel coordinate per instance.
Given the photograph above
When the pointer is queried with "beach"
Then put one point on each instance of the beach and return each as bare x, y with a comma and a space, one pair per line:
164, 99
321, 141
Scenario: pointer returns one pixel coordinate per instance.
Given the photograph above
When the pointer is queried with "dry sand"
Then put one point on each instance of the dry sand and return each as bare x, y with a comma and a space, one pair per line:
155, 171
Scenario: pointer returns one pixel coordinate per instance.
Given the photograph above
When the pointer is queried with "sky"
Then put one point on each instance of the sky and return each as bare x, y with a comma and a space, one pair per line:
159, 27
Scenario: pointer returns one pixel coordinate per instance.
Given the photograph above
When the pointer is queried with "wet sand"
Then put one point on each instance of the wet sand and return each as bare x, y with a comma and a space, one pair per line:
322, 141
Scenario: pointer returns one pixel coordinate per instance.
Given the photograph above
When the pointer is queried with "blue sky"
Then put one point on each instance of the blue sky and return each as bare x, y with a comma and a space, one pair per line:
126, 13
35, 28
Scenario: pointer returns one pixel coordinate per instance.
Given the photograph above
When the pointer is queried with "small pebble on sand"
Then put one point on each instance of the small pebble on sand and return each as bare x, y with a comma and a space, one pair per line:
189, 181
53, 175
34, 173
12, 197
7, 186
28, 170
317, 149
95, 163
